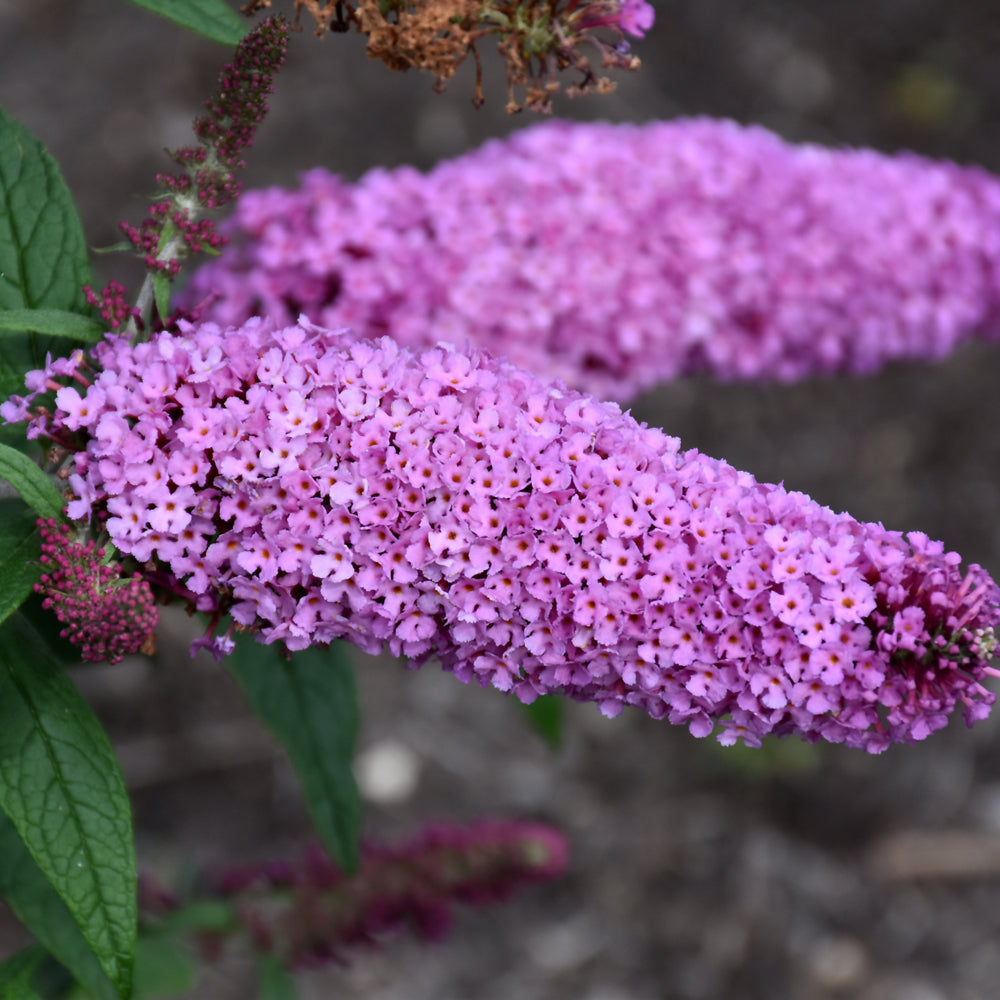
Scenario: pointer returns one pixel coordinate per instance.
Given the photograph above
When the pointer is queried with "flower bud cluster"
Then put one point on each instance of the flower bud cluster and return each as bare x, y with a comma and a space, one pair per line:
111, 304
107, 615
308, 913
171, 230
617, 256
446, 504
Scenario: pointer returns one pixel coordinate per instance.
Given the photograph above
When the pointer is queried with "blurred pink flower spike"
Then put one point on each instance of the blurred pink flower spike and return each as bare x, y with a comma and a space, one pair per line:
619, 256
308, 913
446, 504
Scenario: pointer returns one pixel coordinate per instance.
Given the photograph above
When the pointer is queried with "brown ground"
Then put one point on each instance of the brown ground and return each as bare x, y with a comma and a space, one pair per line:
697, 874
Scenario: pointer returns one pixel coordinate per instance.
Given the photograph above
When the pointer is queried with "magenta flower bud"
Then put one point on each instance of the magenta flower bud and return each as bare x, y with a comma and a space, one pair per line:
618, 256
532, 538
109, 616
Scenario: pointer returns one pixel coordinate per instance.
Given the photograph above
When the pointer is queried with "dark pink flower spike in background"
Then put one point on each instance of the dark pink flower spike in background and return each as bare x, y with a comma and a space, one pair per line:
619, 256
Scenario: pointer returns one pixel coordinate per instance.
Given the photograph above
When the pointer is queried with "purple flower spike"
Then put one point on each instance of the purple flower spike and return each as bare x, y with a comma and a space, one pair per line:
309, 913
618, 256
532, 538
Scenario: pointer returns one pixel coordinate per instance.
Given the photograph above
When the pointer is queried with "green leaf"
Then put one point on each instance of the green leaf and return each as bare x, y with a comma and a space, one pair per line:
122, 246
13, 365
211, 18
273, 981
545, 714
53, 322
62, 788
20, 549
18, 972
163, 968
204, 915
35, 488
310, 704
161, 295
43, 256
37, 905
45, 622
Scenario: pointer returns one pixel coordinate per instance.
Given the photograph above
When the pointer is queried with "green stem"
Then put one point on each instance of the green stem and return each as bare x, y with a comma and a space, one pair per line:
170, 245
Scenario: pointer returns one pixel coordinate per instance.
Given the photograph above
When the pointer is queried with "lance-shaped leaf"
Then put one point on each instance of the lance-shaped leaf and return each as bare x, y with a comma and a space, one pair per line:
37, 905
43, 255
20, 548
161, 294
52, 322
545, 713
34, 487
310, 704
13, 365
211, 18
62, 788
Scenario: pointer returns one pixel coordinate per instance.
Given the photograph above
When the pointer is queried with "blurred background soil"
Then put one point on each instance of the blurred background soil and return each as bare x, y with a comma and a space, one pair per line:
697, 873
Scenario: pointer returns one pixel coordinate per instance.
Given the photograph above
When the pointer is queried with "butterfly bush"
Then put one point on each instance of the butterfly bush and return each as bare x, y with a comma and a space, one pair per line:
309, 913
617, 256
319, 486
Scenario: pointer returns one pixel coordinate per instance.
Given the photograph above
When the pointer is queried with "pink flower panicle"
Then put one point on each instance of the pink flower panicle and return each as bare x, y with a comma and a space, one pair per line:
172, 229
108, 616
308, 913
618, 256
318, 486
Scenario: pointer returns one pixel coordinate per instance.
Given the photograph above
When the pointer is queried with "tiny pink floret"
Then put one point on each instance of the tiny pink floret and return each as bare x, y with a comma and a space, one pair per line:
636, 17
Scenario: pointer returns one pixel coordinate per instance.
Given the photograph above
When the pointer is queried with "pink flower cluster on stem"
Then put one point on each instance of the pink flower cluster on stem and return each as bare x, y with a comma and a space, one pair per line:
317, 486
618, 256
308, 914
172, 229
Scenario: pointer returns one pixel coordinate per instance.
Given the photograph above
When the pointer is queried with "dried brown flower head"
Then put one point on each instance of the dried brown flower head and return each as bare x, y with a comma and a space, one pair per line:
538, 39
433, 35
